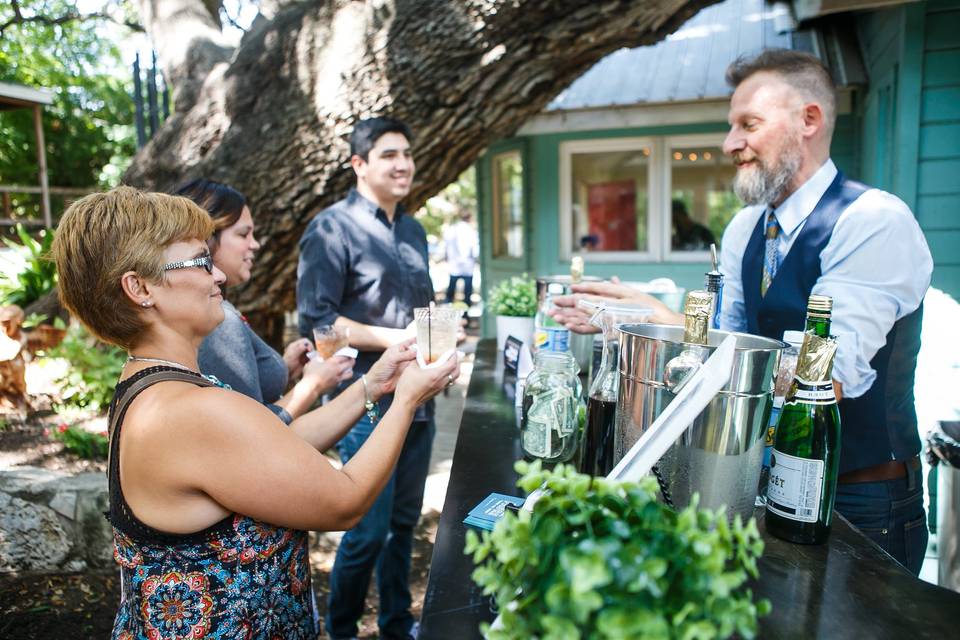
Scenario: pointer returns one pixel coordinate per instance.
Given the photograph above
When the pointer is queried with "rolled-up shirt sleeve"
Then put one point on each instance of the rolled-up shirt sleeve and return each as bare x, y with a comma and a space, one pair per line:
321, 274
877, 269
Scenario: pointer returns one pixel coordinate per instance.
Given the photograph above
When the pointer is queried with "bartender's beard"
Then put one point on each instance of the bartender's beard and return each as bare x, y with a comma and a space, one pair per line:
765, 184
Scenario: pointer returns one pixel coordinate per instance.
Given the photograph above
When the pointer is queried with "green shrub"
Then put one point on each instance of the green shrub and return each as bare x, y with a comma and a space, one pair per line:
88, 445
515, 296
36, 277
94, 369
604, 559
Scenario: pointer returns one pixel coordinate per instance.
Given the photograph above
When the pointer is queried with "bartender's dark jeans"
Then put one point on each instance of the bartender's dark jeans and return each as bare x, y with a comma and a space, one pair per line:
891, 514
383, 540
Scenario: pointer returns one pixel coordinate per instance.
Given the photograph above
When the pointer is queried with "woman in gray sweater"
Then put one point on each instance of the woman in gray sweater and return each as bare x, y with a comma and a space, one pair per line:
233, 352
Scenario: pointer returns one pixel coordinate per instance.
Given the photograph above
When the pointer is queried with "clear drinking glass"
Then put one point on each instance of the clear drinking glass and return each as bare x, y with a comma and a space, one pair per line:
329, 339
436, 331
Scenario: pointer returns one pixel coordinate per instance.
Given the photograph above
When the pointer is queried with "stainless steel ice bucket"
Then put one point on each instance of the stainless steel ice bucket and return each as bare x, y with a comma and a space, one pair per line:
720, 456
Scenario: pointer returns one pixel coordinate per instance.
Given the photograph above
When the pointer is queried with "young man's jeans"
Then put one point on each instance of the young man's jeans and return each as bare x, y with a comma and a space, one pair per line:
891, 514
467, 288
383, 540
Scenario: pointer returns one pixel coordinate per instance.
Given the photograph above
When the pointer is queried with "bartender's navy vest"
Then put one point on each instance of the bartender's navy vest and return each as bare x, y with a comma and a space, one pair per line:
880, 425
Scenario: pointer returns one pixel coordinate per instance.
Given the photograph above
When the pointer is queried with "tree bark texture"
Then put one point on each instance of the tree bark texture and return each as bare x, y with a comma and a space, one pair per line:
272, 117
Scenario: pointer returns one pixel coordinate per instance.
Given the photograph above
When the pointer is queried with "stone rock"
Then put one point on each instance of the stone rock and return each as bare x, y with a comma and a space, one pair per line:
53, 521
31, 536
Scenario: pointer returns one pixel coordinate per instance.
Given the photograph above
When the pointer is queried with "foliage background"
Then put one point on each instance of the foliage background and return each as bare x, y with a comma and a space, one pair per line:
86, 146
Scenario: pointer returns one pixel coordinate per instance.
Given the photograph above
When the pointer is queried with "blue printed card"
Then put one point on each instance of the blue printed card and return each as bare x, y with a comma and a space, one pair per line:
486, 514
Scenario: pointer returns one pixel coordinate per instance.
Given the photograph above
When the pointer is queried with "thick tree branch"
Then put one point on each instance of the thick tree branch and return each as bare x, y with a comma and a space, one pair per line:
188, 41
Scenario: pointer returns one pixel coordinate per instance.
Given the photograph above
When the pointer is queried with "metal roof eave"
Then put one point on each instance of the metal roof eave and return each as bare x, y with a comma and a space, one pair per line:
18, 95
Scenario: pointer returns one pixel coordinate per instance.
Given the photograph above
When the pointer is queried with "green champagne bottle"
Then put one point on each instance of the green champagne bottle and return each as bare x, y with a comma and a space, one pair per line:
806, 451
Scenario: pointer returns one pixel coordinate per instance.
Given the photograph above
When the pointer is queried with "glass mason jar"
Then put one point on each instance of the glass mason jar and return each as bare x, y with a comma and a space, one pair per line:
550, 421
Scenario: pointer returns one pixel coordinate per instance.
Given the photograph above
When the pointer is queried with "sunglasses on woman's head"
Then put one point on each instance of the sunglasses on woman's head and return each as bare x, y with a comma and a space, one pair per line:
205, 261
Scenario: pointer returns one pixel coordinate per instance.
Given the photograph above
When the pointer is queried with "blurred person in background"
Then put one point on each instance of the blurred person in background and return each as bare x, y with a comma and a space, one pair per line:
462, 248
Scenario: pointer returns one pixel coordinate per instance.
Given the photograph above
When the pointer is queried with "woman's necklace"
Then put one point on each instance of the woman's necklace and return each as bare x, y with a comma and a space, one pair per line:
170, 363
177, 365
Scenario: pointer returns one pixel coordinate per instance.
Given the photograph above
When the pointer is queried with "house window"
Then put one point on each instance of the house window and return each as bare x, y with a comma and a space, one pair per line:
701, 201
606, 196
508, 205
645, 199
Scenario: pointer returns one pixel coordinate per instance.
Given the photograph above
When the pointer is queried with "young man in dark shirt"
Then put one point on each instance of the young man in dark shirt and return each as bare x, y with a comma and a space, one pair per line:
363, 265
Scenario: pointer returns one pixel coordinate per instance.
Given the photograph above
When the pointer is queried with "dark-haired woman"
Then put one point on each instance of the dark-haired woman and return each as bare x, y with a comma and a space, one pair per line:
233, 352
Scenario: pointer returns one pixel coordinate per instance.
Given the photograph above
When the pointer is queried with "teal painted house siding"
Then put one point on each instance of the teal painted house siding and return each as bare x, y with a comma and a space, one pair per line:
911, 121
938, 180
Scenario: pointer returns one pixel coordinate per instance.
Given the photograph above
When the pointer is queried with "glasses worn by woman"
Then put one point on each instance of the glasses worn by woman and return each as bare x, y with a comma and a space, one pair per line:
210, 497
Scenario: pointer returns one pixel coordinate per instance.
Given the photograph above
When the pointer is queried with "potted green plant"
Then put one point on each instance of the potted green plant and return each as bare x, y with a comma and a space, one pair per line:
603, 559
514, 302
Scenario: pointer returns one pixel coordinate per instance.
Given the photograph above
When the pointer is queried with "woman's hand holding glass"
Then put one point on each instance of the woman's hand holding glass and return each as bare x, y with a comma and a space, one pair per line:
383, 375
324, 375
418, 384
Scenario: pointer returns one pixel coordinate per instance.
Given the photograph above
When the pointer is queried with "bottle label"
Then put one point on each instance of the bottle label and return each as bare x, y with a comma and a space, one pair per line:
820, 392
552, 338
794, 487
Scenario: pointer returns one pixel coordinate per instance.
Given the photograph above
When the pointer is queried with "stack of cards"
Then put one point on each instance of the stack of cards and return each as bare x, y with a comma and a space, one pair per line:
486, 514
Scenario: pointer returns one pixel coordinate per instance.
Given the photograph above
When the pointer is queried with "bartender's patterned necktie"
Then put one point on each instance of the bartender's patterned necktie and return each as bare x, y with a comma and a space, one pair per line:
770, 252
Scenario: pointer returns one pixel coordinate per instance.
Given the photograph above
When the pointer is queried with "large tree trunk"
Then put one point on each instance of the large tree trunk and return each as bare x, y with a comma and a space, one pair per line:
272, 118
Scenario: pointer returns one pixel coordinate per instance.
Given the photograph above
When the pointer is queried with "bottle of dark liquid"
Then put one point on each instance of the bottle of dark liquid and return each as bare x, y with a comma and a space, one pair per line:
806, 451
597, 456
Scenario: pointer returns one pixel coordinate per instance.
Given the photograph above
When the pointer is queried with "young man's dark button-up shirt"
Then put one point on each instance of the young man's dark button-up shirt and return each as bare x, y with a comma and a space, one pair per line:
356, 264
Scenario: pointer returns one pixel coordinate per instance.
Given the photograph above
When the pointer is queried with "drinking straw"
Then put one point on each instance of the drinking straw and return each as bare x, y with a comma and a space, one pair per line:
429, 334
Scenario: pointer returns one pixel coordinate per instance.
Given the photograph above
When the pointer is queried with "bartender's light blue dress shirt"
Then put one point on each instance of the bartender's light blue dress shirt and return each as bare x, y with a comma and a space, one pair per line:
876, 267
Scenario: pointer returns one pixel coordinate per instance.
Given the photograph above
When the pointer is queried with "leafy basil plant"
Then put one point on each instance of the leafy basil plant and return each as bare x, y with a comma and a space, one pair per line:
604, 559
515, 296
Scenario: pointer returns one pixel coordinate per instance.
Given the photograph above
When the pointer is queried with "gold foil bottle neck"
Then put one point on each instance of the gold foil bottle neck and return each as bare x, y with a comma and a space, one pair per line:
697, 313
815, 361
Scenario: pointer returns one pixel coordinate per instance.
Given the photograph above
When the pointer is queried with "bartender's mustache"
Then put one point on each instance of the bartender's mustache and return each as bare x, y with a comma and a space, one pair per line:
739, 159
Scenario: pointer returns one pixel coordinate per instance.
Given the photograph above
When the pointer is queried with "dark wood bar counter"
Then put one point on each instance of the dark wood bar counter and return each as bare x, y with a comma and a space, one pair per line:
847, 588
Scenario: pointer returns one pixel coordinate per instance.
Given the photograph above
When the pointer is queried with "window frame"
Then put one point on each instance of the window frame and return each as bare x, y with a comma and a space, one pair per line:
601, 145
660, 189
496, 222
669, 144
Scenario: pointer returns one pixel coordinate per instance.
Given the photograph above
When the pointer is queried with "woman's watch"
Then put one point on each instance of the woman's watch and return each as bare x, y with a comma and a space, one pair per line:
369, 405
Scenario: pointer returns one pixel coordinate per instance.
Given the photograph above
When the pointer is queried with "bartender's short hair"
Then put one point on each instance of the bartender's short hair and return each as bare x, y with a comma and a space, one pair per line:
802, 71
102, 236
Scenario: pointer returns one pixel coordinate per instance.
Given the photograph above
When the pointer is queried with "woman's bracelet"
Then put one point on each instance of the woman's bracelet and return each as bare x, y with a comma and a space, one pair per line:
372, 408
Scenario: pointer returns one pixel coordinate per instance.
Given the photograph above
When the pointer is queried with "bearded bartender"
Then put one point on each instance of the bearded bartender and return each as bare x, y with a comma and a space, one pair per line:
808, 229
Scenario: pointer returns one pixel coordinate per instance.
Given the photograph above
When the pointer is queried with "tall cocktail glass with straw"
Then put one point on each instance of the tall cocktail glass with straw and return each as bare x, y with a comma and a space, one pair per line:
436, 331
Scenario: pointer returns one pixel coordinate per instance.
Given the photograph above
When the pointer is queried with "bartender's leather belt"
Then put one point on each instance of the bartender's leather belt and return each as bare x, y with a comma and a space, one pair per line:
890, 470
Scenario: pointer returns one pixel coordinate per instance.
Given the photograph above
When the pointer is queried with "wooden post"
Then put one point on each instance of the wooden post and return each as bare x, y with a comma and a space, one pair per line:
42, 162
7, 209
